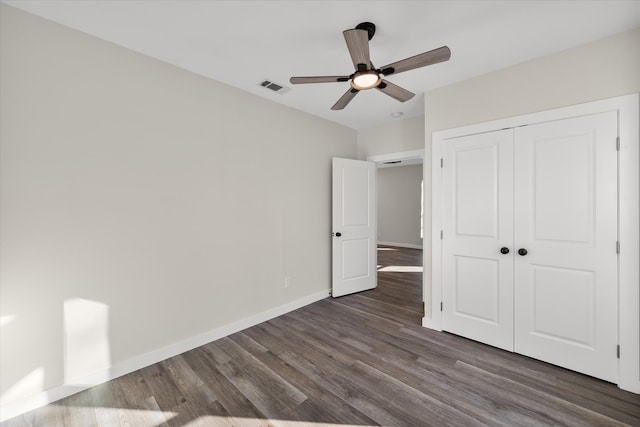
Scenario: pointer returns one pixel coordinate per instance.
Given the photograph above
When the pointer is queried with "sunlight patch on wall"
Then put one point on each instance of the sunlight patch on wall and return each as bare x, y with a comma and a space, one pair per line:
5, 320
401, 269
86, 339
29, 385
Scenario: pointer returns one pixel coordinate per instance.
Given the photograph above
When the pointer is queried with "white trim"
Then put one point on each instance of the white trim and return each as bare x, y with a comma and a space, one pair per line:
155, 356
402, 155
629, 232
435, 322
628, 108
400, 245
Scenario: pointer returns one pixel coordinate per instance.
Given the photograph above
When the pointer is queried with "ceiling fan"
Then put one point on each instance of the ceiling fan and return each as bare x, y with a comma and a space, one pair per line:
366, 76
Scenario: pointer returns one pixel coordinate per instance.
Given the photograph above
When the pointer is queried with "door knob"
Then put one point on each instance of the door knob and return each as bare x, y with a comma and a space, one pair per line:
522, 252
504, 250
338, 234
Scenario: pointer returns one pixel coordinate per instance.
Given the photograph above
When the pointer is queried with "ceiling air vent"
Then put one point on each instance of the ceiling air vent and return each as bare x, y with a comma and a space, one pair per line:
276, 87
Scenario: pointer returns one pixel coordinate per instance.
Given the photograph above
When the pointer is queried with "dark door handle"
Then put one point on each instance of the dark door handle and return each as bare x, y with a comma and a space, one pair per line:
504, 250
338, 234
522, 252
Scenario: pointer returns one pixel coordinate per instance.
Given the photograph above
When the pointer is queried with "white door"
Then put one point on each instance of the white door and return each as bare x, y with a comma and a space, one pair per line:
548, 194
354, 226
477, 224
566, 220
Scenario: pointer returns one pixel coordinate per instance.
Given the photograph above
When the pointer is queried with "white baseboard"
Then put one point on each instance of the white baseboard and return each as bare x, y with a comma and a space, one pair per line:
401, 245
429, 323
49, 396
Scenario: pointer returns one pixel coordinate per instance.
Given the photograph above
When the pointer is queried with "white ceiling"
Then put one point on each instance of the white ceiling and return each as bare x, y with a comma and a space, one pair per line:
242, 42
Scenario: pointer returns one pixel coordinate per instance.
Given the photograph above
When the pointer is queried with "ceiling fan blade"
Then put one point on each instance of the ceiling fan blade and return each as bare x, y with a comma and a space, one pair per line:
434, 56
395, 91
345, 99
358, 45
318, 79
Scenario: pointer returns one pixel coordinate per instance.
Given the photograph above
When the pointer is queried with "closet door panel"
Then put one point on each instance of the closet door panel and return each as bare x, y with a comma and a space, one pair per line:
478, 215
566, 220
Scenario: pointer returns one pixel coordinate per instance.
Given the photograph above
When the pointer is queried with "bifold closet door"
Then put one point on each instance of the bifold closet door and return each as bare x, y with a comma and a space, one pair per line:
477, 224
566, 220
529, 241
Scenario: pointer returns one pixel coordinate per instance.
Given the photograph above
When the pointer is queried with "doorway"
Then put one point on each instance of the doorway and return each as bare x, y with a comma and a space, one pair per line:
400, 231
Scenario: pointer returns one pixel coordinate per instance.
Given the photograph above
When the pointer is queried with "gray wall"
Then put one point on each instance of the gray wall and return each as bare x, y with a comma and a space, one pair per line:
399, 205
402, 135
143, 205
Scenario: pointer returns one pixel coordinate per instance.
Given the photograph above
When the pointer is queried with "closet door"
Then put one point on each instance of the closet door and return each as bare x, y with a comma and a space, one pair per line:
566, 220
477, 224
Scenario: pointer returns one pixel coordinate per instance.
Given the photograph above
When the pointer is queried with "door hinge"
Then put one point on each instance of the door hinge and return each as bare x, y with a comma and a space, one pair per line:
618, 247
441, 162
617, 143
441, 234
441, 305
618, 351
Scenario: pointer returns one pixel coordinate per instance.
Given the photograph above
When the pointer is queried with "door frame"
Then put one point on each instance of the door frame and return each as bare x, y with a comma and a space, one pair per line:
401, 155
628, 110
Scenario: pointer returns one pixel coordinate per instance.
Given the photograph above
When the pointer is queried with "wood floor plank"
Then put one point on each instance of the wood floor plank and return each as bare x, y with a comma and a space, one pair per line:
339, 382
77, 410
361, 360
233, 401
557, 410
320, 402
267, 391
400, 364
189, 383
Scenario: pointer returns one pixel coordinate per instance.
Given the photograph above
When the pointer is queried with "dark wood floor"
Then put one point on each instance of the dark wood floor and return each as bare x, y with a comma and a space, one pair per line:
359, 360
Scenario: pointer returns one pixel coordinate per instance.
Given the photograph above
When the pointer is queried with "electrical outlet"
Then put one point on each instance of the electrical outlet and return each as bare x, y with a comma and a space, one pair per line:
287, 281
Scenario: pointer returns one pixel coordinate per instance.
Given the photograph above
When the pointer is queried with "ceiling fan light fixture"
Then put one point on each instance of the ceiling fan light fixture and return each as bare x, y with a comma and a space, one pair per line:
363, 80
366, 76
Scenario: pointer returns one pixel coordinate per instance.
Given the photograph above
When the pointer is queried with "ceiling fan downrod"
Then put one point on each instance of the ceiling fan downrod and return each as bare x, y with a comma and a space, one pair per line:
369, 27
